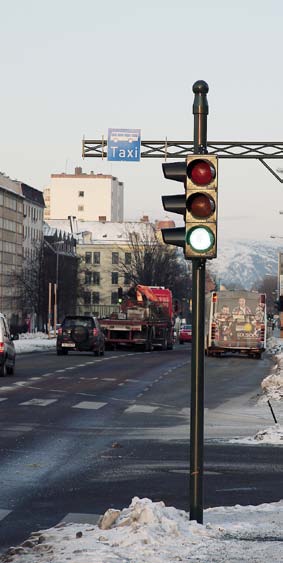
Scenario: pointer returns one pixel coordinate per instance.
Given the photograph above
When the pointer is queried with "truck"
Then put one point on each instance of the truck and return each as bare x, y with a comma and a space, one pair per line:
235, 322
145, 320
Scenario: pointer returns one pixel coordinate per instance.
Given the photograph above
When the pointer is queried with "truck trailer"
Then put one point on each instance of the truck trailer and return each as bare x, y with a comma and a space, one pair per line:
236, 322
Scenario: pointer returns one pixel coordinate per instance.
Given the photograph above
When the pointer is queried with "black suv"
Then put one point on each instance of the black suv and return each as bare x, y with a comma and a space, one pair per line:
81, 334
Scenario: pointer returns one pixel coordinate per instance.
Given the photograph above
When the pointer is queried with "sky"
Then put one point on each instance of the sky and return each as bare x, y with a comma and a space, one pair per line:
150, 532
72, 70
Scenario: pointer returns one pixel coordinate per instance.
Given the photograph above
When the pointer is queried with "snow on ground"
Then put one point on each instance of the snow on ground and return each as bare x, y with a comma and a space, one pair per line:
150, 532
31, 342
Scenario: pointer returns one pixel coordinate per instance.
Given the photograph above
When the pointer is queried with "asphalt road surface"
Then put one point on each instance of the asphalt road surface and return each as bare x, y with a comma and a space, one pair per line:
81, 434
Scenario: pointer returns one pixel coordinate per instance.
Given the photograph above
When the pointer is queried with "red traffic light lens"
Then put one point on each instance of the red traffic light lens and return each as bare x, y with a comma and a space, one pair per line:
201, 205
201, 172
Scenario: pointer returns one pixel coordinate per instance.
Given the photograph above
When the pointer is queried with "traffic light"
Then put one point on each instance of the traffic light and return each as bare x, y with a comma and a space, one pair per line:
198, 205
175, 203
201, 206
120, 294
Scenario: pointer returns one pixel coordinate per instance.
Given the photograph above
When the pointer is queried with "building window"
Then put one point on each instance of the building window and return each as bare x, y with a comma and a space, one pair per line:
114, 298
87, 298
96, 278
96, 257
95, 297
128, 258
115, 257
114, 278
102, 218
127, 279
80, 208
88, 278
81, 194
88, 257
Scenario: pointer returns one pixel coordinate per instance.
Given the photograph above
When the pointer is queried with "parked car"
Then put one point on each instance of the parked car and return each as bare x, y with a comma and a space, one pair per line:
7, 348
80, 333
185, 334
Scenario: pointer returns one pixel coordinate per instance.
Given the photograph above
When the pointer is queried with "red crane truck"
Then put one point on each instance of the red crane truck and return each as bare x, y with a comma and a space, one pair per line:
145, 321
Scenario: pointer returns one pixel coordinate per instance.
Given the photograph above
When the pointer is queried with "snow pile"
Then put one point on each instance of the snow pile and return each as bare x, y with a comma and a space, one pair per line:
150, 532
34, 342
272, 385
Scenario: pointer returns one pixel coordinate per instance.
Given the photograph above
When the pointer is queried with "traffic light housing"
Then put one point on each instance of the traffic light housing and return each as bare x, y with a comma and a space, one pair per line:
198, 205
201, 206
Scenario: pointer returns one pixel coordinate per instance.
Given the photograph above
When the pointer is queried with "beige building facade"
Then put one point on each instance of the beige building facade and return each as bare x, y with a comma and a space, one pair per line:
103, 248
89, 197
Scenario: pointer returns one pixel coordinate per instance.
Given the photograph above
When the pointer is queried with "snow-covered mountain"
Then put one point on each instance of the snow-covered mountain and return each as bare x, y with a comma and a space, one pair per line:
245, 262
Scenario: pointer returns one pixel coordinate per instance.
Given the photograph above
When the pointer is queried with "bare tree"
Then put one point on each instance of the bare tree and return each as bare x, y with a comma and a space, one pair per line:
155, 264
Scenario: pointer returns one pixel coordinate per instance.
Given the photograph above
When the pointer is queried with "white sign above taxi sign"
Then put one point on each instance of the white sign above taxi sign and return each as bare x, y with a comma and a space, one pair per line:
124, 145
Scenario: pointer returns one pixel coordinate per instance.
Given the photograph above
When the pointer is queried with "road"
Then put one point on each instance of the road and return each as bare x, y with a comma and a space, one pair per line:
80, 434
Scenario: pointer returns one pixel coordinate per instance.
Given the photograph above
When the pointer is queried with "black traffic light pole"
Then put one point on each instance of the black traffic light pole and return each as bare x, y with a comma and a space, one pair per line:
200, 111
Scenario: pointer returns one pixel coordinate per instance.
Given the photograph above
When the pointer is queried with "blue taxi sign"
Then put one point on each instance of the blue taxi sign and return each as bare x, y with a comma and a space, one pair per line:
124, 145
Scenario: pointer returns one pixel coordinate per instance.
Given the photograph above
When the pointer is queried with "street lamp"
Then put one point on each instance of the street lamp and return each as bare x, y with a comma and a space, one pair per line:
56, 285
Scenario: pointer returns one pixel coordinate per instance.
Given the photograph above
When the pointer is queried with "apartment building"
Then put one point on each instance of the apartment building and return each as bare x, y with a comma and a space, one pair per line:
11, 244
33, 220
89, 197
102, 248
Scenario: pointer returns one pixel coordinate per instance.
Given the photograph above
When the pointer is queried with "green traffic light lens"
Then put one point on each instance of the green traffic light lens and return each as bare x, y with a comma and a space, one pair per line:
200, 239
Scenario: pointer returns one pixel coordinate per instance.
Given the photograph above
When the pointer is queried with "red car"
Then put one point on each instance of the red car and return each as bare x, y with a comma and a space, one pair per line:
185, 334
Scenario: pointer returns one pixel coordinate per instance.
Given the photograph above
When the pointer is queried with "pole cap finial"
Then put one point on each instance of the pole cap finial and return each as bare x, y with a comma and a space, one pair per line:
200, 105
200, 87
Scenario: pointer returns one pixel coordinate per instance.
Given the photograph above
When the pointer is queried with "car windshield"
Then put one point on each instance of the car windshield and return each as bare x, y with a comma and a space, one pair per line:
77, 321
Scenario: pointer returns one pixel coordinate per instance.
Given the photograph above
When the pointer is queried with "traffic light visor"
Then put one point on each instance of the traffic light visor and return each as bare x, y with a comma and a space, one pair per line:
200, 238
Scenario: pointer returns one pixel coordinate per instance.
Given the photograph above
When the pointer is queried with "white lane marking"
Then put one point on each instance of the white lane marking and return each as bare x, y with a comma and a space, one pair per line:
34, 378
39, 402
132, 380
3, 398
95, 405
4, 513
141, 408
47, 374
108, 379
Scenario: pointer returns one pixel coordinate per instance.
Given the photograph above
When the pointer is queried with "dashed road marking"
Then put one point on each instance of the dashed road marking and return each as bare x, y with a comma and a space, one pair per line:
39, 402
140, 408
95, 405
108, 379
